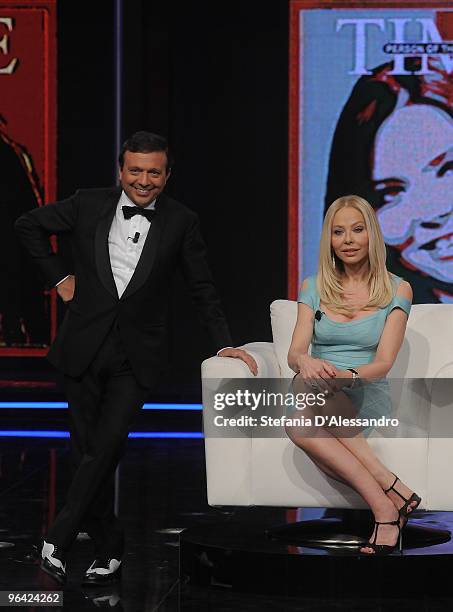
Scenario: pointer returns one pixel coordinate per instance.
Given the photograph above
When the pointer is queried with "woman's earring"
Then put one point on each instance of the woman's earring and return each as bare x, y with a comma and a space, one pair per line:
333, 261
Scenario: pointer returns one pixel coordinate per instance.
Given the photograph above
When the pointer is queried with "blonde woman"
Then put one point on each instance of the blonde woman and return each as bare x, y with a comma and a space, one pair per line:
354, 315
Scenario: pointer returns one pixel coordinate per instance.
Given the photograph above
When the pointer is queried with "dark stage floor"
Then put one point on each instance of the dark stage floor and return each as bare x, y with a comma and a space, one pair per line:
161, 490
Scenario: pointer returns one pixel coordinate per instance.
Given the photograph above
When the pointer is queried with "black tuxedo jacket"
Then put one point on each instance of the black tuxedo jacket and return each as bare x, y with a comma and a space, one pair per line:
141, 313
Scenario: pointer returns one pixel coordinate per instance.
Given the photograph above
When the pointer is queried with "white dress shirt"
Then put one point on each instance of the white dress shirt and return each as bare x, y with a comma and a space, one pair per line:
124, 253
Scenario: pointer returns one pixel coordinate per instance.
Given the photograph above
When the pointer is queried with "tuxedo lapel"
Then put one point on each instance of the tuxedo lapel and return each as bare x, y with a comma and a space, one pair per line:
148, 254
101, 242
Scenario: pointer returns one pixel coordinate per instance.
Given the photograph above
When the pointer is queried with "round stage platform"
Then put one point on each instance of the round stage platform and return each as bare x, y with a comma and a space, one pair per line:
256, 557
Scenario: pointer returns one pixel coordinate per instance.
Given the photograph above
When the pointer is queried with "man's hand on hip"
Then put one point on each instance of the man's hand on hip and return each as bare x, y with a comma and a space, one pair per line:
240, 354
66, 288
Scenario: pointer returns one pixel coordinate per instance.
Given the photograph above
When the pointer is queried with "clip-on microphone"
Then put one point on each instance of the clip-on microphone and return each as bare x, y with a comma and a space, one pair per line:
135, 238
318, 315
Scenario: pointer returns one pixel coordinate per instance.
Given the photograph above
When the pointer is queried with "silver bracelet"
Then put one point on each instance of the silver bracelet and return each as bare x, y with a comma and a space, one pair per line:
355, 376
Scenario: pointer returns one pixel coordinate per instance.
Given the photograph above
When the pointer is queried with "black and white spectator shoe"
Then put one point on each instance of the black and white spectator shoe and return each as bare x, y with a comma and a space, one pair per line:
52, 562
103, 571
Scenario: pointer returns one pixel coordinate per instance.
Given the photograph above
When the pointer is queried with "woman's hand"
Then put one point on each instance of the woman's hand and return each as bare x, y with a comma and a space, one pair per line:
317, 372
342, 380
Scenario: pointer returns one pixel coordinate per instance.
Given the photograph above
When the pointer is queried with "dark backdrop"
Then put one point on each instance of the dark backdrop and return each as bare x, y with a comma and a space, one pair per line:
213, 77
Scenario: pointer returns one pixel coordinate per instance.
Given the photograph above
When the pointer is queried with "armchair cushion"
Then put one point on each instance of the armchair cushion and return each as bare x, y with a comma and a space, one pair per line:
283, 321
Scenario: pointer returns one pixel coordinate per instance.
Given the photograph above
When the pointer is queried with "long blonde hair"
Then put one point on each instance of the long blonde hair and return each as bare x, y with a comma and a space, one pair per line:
379, 281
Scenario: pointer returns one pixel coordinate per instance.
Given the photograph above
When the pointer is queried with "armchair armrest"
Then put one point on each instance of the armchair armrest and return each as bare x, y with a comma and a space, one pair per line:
229, 460
227, 367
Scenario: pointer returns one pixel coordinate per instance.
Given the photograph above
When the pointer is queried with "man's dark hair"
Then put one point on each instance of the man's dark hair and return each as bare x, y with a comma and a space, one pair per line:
145, 142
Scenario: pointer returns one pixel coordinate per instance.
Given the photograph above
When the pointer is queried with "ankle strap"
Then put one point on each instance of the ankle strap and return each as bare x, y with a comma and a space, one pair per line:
378, 523
392, 485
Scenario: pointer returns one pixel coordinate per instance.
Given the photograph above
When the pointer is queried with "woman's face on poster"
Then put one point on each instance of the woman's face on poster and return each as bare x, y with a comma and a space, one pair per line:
413, 175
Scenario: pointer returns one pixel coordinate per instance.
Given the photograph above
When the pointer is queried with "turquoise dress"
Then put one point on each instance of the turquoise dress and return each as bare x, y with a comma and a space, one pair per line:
352, 344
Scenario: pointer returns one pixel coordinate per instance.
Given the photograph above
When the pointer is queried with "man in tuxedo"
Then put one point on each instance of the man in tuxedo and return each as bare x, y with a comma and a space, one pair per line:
127, 243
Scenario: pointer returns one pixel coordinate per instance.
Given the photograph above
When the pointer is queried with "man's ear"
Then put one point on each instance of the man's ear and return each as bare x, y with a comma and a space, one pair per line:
168, 175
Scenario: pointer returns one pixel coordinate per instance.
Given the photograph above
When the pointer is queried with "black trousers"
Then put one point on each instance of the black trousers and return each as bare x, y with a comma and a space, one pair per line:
102, 405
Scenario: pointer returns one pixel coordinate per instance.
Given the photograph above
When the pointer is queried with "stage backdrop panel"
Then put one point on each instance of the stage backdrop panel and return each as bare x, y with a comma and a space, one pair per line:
371, 113
27, 161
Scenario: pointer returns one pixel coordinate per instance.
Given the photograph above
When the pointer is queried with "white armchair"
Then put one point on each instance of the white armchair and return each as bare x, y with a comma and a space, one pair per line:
274, 472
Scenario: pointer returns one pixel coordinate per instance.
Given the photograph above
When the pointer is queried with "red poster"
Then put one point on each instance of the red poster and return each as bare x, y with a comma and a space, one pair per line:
28, 166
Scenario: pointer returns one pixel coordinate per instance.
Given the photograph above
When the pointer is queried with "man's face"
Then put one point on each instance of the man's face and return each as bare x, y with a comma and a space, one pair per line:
143, 176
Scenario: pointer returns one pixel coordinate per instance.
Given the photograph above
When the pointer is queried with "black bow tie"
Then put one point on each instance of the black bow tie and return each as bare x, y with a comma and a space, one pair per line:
130, 211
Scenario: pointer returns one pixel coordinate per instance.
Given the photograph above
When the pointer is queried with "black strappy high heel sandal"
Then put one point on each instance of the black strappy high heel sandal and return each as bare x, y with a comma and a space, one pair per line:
403, 511
384, 549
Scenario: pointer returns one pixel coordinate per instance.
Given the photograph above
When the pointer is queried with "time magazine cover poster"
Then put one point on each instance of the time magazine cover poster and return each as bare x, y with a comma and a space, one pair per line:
371, 113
